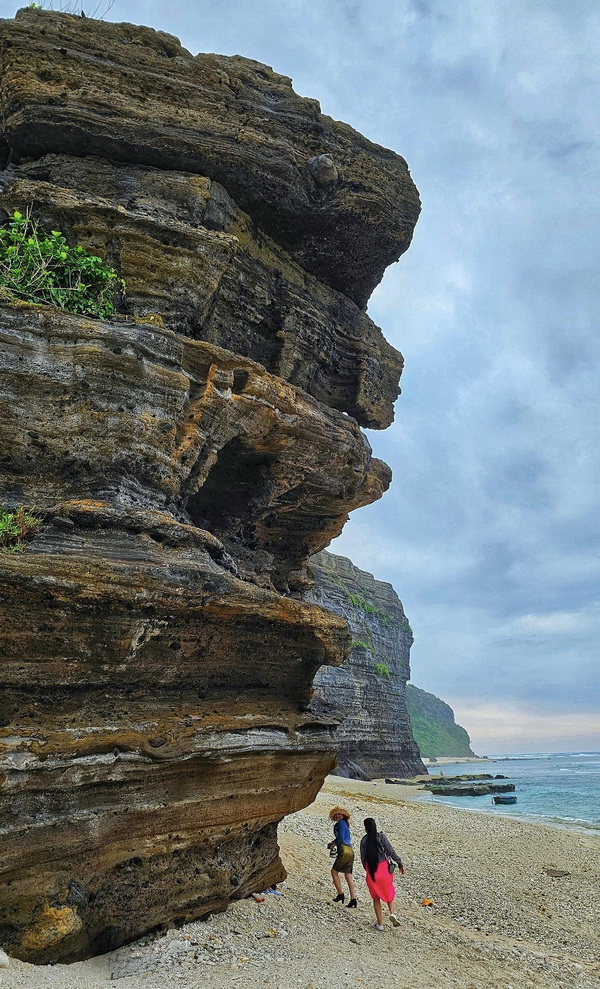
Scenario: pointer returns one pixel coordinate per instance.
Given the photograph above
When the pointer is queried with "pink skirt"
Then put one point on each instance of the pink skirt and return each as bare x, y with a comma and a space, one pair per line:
382, 886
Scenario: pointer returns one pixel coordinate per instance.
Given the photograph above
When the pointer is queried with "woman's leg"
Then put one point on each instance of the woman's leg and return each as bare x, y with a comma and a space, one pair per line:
393, 919
377, 908
351, 886
336, 881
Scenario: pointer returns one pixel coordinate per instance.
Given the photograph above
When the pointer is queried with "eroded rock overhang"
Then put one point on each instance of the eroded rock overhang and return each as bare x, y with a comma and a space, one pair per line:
187, 459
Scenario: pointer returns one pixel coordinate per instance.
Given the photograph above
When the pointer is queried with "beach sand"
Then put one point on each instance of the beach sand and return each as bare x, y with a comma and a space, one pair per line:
499, 921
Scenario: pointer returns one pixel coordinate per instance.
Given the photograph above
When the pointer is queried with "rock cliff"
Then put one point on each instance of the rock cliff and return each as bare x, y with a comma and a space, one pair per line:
434, 727
187, 459
375, 737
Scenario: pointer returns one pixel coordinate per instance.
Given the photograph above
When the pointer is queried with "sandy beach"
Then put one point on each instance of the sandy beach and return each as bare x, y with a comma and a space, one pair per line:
499, 920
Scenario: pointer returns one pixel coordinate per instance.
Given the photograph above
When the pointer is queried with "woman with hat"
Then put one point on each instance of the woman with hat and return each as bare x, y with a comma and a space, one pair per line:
344, 860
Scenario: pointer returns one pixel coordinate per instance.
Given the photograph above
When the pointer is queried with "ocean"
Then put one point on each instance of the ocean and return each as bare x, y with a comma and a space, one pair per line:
562, 788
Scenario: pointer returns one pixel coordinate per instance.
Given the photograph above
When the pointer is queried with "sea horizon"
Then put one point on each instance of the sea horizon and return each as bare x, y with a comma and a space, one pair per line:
559, 788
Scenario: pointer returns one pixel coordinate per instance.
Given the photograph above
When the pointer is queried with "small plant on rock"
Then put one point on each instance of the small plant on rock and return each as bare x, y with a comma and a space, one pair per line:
44, 269
360, 644
382, 669
17, 528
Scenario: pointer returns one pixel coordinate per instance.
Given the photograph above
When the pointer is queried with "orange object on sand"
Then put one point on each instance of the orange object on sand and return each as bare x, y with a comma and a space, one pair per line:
426, 903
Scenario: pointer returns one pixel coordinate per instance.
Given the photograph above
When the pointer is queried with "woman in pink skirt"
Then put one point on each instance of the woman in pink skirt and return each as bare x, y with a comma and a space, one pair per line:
376, 853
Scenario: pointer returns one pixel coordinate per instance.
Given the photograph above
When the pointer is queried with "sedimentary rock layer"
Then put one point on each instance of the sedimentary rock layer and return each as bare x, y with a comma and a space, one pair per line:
138, 415
193, 262
186, 459
343, 207
155, 731
375, 738
155, 702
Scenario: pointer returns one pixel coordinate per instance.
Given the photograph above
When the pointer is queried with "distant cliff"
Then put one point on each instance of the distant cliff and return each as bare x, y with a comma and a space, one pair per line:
375, 737
434, 727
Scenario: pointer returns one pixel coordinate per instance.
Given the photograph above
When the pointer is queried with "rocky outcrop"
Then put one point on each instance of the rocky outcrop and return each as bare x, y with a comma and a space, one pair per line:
434, 727
342, 207
193, 261
473, 790
369, 689
186, 459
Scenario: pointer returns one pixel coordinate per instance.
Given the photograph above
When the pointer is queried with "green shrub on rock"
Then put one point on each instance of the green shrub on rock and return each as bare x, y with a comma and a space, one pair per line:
42, 268
17, 528
382, 669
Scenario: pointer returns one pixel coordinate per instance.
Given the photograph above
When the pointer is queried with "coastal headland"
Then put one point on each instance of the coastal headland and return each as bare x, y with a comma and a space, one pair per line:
514, 905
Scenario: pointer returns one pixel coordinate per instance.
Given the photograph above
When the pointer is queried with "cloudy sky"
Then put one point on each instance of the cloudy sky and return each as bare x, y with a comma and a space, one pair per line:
490, 533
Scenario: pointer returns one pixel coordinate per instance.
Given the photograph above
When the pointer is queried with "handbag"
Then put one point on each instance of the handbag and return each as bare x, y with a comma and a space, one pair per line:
390, 861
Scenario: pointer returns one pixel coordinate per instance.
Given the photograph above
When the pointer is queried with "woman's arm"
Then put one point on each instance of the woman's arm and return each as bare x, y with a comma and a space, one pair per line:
363, 842
389, 850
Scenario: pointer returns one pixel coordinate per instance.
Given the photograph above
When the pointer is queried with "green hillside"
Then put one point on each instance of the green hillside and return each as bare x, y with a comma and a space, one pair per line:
434, 728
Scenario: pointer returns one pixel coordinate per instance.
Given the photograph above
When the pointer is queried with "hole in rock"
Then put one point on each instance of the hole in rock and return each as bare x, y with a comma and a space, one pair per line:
234, 491
240, 379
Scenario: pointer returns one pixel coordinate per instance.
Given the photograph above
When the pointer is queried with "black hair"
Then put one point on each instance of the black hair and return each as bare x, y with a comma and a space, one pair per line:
371, 846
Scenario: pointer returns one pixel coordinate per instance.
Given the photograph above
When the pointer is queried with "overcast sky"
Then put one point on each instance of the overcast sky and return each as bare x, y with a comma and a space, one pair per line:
490, 533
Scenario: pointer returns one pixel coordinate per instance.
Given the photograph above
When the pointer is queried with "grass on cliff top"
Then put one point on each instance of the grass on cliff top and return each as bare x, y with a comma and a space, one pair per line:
17, 528
43, 269
438, 740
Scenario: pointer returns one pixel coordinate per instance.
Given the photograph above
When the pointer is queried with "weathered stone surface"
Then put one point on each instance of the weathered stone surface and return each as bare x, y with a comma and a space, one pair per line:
186, 459
375, 736
192, 258
132, 625
137, 415
132, 94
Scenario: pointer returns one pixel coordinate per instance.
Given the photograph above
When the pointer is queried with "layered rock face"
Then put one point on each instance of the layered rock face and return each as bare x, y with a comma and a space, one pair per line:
187, 459
375, 737
434, 727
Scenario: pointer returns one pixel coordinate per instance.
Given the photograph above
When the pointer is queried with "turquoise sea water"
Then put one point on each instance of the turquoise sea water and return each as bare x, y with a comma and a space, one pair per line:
562, 788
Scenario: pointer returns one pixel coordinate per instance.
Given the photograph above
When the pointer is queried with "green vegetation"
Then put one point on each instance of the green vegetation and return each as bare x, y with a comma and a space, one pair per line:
17, 528
382, 669
368, 608
405, 627
434, 728
359, 644
42, 268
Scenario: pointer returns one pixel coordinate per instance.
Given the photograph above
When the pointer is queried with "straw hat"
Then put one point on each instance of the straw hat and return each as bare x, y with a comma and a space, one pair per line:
339, 810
